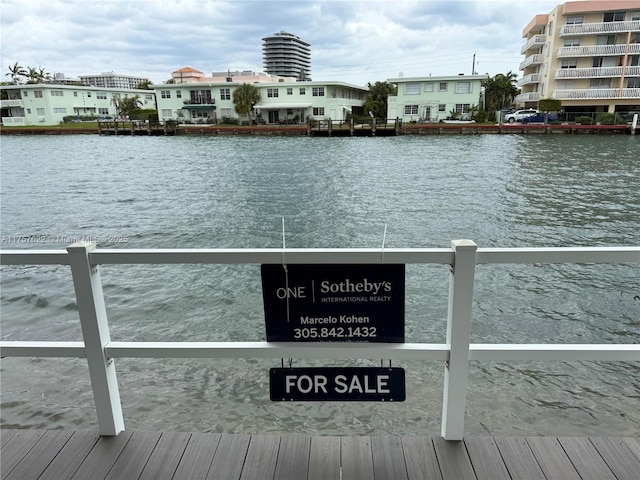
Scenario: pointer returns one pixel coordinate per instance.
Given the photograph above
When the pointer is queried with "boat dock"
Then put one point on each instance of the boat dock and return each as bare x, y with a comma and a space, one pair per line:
75, 455
135, 127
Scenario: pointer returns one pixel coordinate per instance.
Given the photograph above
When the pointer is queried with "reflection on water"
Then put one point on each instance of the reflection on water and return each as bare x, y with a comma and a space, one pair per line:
500, 191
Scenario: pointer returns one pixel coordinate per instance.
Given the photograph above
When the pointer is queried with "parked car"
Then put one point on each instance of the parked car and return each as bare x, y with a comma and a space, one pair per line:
538, 118
518, 115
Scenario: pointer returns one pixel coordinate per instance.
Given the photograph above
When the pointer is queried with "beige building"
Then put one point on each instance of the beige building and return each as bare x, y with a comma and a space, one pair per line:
586, 54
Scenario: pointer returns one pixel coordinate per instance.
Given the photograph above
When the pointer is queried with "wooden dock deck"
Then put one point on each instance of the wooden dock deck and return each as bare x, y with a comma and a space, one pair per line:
72, 455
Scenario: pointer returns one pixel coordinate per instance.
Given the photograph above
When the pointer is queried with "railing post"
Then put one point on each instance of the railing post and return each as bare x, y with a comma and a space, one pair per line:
95, 330
458, 337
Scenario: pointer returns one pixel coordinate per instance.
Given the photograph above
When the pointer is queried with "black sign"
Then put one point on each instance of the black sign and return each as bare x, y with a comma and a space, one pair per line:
337, 384
334, 303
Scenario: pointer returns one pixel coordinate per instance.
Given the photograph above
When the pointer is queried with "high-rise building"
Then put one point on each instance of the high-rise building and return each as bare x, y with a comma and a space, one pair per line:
586, 54
113, 80
286, 55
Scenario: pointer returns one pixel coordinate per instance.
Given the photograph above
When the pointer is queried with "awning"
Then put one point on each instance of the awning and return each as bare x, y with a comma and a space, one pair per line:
347, 108
280, 106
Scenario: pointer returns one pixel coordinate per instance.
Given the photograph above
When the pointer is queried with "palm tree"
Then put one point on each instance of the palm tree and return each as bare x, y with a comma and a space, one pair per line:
500, 91
124, 106
16, 72
244, 98
377, 100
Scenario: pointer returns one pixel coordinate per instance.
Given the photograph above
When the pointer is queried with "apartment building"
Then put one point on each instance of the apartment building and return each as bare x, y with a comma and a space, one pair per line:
286, 55
48, 104
586, 54
113, 80
195, 98
431, 99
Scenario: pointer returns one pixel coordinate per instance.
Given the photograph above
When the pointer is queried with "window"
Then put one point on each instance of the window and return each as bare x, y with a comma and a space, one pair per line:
166, 113
428, 87
302, 91
57, 93
25, 94
226, 112
289, 91
571, 42
463, 87
443, 87
37, 93
411, 109
178, 93
28, 111
569, 64
272, 92
75, 94
633, 82
165, 93
101, 96
225, 94
103, 111
317, 111
463, 107
412, 88
317, 92
597, 62
442, 107
614, 16
40, 111
59, 110
635, 16
634, 61
600, 83
89, 94
606, 40
150, 97
575, 20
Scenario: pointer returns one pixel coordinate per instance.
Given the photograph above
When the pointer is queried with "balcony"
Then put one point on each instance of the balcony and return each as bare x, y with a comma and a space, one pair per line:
529, 79
535, 41
599, 50
11, 103
596, 93
200, 101
597, 72
598, 28
527, 97
531, 60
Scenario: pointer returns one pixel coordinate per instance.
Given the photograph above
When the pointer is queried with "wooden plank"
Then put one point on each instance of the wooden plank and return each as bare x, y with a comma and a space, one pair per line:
293, 457
134, 456
6, 435
519, 458
166, 456
229, 458
18, 447
633, 444
71, 456
552, 458
43, 452
585, 458
388, 458
420, 458
324, 458
453, 459
198, 456
485, 458
102, 457
260, 462
356, 458
618, 456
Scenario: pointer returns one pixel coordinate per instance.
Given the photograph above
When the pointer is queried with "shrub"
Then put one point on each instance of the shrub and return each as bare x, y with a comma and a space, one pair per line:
608, 119
584, 120
229, 121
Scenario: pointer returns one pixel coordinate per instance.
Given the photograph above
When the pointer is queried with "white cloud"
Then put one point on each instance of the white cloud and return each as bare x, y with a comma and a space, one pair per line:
352, 41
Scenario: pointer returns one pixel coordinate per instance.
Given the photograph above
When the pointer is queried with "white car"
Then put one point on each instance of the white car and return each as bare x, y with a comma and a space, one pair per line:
519, 115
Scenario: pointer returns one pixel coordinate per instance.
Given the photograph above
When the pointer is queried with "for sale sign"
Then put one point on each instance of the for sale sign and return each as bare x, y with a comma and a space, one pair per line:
334, 303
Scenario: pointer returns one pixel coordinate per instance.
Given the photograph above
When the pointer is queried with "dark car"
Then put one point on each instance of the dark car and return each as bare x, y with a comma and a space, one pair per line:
538, 118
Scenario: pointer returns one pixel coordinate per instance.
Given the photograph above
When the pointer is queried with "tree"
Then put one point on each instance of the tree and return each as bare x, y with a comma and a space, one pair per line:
500, 90
124, 106
244, 98
144, 85
377, 100
16, 72
547, 105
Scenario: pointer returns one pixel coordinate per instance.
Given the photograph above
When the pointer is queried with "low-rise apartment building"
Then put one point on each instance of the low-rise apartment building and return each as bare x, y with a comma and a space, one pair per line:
584, 53
195, 98
431, 99
48, 104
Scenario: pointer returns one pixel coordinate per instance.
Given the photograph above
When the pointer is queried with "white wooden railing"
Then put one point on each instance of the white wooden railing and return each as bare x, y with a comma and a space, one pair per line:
463, 257
602, 27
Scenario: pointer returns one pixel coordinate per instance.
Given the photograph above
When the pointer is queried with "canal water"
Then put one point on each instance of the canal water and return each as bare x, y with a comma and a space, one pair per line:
232, 192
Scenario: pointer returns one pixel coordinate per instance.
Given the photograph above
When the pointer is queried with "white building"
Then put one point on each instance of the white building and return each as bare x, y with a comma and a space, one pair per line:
200, 99
48, 104
286, 55
431, 99
113, 80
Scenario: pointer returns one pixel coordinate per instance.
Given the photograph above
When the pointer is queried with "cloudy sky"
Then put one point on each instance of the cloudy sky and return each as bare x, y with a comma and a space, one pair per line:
351, 41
